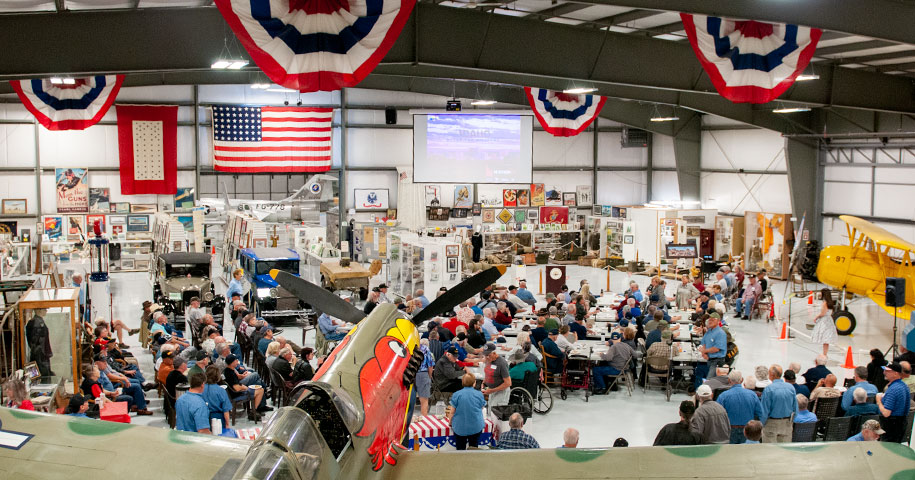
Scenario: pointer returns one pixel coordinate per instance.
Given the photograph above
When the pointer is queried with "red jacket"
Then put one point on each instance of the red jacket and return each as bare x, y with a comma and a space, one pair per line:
453, 324
503, 318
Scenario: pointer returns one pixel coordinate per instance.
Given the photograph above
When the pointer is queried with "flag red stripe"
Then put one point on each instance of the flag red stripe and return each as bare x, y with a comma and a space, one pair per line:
324, 158
270, 149
292, 139
296, 109
294, 129
294, 119
316, 168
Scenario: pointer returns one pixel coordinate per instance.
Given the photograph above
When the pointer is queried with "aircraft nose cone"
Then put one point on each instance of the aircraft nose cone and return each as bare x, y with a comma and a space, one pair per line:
832, 268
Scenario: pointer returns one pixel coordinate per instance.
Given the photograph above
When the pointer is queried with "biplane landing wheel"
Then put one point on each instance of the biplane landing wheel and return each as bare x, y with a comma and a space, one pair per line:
845, 322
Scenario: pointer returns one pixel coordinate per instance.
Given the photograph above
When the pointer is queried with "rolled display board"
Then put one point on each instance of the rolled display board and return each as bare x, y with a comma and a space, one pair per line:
555, 278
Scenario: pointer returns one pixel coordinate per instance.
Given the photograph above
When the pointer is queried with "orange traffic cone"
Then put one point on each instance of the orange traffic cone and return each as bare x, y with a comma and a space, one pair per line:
784, 334
772, 310
849, 360
810, 299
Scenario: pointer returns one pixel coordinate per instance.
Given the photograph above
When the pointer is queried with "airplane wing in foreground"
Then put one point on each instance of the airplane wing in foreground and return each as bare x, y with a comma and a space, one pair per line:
858, 460
49, 446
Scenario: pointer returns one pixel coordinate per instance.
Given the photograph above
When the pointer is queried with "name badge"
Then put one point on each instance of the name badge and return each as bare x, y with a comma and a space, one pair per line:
492, 367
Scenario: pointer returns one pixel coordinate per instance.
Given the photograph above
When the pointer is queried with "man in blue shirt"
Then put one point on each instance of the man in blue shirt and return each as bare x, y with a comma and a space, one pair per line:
554, 362
132, 393
791, 378
861, 407
741, 404
635, 293
860, 382
516, 438
713, 348
779, 403
191, 411
803, 415
328, 326
870, 432
814, 374
524, 294
894, 403
579, 330
421, 296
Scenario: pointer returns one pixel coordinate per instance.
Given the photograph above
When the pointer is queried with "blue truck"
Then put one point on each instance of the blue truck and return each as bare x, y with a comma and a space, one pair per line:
268, 299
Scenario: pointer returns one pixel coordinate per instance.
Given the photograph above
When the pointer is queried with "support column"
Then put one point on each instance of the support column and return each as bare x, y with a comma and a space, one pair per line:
342, 193
649, 178
802, 161
595, 155
686, 154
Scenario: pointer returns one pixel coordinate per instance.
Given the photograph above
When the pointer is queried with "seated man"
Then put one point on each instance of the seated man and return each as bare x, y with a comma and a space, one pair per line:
175, 377
333, 329
524, 294
555, 357
870, 432
618, 356
825, 389
860, 406
161, 334
266, 338
750, 296
803, 415
237, 389
520, 365
291, 368
580, 331
516, 438
191, 412
447, 373
540, 333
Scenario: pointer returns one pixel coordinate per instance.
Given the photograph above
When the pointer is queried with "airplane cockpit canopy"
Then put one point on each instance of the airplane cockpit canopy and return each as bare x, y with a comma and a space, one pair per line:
290, 447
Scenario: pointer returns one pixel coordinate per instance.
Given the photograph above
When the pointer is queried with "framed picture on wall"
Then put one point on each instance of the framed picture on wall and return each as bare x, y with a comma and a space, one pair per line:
489, 215
532, 215
15, 206
391, 214
568, 199
138, 223
555, 215
166, 203
596, 209
72, 190
519, 215
476, 209
451, 250
99, 200
76, 227
117, 220
490, 199
537, 195
585, 197
628, 239
371, 199
460, 212
184, 198
452, 265
509, 197
553, 197
524, 197
142, 208
463, 196
433, 195
121, 207
90, 223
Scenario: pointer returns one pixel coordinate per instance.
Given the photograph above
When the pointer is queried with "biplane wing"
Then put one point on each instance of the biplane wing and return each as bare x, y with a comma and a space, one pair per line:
879, 235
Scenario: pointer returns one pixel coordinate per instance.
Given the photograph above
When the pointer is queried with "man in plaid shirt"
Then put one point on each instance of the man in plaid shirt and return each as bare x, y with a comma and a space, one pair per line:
515, 438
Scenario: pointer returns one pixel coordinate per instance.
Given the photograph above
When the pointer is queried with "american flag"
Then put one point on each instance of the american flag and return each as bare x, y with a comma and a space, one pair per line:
271, 139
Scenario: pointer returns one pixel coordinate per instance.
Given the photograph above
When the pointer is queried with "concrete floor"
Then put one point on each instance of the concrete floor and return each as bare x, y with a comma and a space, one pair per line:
603, 418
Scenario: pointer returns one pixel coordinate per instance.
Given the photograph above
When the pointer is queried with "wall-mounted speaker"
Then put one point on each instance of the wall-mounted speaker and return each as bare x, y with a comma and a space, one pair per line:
390, 115
895, 292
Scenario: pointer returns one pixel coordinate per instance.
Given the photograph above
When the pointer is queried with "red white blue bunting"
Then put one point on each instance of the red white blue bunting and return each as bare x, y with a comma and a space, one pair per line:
312, 45
749, 61
76, 106
563, 114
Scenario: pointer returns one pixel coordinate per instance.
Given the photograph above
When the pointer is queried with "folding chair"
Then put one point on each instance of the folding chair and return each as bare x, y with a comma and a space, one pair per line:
625, 375
549, 378
804, 432
658, 363
838, 429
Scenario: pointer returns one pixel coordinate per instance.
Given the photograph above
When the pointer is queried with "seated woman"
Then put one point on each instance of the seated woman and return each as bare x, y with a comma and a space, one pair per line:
237, 390
92, 388
565, 339
519, 366
503, 318
273, 352
216, 397
16, 396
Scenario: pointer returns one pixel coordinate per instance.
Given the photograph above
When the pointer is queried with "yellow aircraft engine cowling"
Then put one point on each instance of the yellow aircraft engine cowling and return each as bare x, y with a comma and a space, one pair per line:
855, 269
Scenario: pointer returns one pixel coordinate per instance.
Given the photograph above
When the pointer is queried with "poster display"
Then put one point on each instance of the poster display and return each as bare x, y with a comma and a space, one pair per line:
433, 195
99, 200
509, 197
53, 227
463, 196
371, 199
72, 190
184, 199
554, 215
524, 198
553, 196
537, 195
585, 195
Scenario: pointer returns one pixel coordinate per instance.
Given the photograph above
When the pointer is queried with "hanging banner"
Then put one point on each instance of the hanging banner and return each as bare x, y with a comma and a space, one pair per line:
77, 105
316, 45
563, 114
749, 61
148, 149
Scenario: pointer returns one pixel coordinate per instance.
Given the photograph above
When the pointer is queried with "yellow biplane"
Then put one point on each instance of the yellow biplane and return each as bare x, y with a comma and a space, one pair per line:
862, 267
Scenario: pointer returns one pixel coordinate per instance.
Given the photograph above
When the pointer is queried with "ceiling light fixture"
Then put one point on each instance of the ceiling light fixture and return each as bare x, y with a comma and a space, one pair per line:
69, 81
57, 81
483, 102
237, 64
260, 86
281, 90
791, 109
579, 90
657, 117
805, 77
220, 64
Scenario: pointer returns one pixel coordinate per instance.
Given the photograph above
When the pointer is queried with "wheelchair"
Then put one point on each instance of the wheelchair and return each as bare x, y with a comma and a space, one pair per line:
528, 398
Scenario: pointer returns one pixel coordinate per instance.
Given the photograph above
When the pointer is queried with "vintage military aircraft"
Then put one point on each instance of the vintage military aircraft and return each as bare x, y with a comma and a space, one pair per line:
349, 422
862, 266
316, 189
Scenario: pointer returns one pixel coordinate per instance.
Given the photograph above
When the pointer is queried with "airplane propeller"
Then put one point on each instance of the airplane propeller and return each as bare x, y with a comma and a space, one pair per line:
331, 304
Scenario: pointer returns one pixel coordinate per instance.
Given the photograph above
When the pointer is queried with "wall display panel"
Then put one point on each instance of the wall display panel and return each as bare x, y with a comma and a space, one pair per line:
556, 152
612, 154
747, 149
847, 198
729, 192
621, 188
17, 145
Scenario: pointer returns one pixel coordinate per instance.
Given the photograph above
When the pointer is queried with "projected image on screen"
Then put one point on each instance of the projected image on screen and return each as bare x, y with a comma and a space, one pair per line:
472, 148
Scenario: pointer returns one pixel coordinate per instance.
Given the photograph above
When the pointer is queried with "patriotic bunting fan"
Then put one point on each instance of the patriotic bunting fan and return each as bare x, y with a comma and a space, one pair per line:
749, 61
76, 105
311, 45
563, 114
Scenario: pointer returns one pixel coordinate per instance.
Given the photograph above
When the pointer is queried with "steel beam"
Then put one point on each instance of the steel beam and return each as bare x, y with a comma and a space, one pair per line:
439, 42
557, 10
687, 154
885, 19
852, 47
622, 18
803, 165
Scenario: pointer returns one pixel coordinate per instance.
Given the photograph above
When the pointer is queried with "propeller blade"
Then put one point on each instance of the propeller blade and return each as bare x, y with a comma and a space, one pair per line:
318, 297
459, 293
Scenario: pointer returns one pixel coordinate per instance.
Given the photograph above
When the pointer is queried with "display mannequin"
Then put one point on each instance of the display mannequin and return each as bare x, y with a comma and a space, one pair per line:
39, 341
476, 241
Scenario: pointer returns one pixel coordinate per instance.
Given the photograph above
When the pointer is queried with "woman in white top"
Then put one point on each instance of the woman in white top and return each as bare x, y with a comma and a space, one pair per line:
686, 292
824, 330
563, 340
